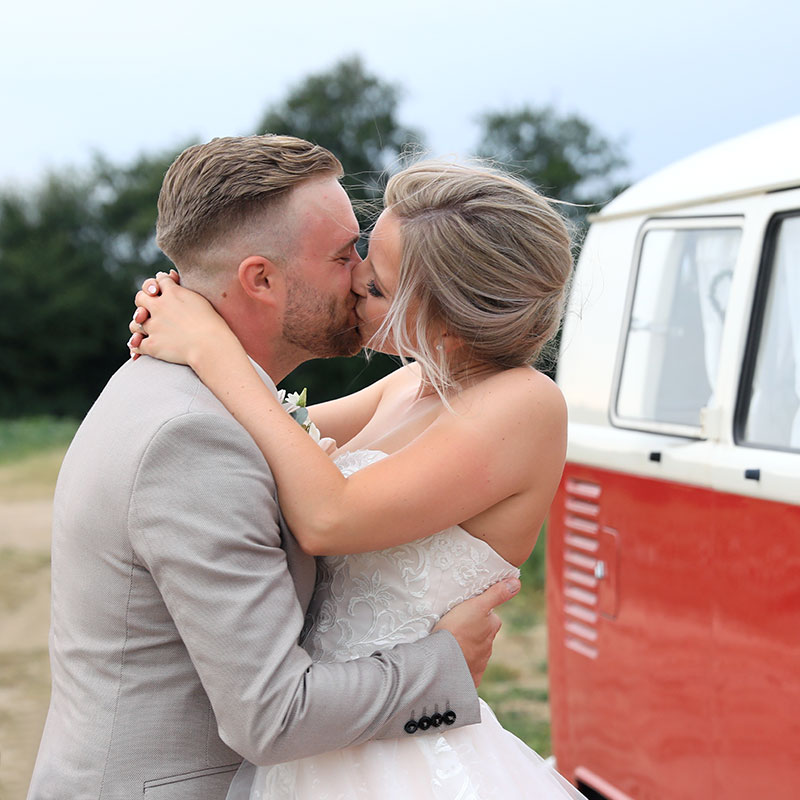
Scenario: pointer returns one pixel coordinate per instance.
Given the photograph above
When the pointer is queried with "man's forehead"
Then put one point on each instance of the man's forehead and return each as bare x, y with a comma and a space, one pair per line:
323, 216
321, 194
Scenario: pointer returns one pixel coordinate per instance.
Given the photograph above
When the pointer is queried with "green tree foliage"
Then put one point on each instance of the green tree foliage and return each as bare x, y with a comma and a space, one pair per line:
564, 156
354, 114
71, 254
74, 249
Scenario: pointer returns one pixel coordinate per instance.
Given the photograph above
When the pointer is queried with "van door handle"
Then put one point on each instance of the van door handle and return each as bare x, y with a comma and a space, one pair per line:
752, 474
600, 570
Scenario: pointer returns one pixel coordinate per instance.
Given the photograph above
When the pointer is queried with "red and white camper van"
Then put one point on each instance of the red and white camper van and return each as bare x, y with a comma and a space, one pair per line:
674, 539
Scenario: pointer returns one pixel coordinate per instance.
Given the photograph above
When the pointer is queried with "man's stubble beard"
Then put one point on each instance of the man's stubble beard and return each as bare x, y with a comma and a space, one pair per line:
322, 326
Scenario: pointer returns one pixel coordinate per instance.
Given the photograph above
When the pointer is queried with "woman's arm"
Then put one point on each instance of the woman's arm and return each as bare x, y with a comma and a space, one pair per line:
461, 465
339, 419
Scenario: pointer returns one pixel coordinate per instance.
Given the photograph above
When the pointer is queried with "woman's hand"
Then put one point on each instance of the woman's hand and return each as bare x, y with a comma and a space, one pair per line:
175, 324
141, 315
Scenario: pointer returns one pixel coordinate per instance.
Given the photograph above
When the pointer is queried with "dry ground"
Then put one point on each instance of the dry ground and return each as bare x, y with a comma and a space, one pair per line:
515, 684
26, 490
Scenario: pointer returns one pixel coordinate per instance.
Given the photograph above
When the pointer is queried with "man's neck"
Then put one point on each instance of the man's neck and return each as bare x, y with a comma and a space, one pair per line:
260, 335
265, 376
271, 353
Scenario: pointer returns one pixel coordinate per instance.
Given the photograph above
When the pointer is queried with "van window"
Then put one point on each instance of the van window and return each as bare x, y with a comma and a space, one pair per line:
672, 348
773, 415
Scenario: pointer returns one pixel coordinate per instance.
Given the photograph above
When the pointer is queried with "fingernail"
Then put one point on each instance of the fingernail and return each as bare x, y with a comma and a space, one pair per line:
151, 289
513, 586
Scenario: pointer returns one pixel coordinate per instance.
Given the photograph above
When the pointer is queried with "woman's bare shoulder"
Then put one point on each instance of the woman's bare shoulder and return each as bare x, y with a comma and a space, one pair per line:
522, 392
403, 378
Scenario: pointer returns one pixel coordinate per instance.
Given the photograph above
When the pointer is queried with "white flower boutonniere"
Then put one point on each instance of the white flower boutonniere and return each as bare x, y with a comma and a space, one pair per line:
295, 405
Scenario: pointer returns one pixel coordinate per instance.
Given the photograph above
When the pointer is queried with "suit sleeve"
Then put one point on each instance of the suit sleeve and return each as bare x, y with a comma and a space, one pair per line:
203, 520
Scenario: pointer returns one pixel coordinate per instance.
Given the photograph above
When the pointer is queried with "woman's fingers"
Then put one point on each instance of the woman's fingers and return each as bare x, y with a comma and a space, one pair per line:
140, 316
142, 301
134, 343
162, 283
152, 286
166, 282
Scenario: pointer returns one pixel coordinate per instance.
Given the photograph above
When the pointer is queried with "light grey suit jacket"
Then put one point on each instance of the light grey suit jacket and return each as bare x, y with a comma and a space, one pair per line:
178, 598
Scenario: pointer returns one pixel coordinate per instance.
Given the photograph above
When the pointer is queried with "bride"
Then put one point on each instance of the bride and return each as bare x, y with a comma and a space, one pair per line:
445, 469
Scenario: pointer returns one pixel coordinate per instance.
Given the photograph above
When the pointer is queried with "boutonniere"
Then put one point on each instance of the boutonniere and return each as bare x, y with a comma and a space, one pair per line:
295, 405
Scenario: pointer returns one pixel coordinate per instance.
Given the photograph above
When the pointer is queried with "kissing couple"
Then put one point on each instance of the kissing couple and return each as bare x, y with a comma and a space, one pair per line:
190, 504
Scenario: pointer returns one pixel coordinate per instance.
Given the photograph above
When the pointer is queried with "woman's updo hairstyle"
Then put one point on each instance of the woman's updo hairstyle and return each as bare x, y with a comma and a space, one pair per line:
485, 258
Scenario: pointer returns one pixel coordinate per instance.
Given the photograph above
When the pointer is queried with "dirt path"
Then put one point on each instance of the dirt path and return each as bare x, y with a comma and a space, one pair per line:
25, 515
515, 683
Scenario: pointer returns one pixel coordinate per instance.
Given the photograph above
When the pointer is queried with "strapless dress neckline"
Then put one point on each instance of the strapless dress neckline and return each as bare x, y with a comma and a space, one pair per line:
350, 461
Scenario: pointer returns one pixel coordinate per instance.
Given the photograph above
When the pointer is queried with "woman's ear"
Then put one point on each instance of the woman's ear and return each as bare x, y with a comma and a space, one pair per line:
450, 342
262, 280
444, 340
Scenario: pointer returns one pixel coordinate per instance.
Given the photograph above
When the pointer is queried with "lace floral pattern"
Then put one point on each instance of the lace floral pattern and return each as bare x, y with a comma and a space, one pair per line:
367, 601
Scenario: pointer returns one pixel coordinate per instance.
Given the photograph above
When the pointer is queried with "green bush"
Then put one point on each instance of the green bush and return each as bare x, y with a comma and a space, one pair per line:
23, 437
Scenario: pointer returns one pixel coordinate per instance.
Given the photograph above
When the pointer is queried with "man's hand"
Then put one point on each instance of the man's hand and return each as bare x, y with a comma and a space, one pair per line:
474, 624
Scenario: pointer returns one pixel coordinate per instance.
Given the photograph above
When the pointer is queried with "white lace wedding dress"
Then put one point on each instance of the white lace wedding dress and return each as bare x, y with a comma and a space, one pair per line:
369, 601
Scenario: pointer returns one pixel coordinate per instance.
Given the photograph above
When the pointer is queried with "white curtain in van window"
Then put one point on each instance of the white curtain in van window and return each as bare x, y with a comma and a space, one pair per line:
672, 350
715, 256
789, 266
774, 416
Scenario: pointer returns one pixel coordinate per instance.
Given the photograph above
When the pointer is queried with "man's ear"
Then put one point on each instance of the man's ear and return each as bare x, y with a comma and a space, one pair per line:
262, 280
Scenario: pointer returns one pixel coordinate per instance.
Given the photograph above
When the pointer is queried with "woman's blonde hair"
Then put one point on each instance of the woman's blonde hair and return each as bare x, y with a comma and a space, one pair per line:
485, 258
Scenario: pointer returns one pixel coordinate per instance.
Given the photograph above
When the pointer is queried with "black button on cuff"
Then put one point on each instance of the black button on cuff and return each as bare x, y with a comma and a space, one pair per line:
424, 723
437, 719
410, 726
449, 717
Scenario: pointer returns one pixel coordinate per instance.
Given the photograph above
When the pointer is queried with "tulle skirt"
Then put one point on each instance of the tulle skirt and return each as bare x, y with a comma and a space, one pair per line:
476, 762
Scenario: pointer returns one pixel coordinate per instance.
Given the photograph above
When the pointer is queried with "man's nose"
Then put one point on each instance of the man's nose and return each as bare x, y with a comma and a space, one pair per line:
357, 276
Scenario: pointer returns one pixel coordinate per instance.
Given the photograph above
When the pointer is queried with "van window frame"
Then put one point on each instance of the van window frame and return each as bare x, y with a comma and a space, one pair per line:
677, 224
755, 329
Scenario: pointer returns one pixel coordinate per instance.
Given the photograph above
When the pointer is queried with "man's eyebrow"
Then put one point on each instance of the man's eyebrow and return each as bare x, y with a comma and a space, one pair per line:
350, 244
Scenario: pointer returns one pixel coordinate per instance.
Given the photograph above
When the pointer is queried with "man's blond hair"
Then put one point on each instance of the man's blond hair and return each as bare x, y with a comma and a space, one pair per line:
222, 186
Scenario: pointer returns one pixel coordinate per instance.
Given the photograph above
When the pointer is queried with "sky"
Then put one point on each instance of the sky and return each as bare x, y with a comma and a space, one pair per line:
665, 80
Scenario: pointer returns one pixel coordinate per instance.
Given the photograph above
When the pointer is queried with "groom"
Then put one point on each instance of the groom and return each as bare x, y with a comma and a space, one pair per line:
178, 592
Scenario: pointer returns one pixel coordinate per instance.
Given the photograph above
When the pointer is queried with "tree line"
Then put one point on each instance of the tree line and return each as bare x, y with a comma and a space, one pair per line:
74, 248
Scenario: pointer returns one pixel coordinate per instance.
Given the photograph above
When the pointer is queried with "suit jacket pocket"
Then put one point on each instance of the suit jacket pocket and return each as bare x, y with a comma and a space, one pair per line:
203, 784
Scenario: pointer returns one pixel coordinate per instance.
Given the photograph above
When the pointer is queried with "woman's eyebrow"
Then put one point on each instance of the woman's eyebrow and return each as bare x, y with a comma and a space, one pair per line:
381, 283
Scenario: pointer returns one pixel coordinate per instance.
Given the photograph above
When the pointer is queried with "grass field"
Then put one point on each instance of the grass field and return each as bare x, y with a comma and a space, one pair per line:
515, 684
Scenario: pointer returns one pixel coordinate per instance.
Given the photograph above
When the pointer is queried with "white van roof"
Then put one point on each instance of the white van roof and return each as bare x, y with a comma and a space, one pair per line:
763, 160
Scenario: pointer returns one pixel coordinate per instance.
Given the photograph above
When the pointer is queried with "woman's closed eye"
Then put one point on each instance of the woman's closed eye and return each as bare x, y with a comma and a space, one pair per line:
373, 289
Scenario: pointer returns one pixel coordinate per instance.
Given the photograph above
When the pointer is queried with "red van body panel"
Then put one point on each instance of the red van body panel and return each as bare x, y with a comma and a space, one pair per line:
674, 631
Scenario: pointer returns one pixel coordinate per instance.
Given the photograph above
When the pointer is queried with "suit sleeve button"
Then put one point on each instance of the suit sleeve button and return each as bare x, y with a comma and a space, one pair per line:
424, 723
437, 719
449, 717
410, 726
